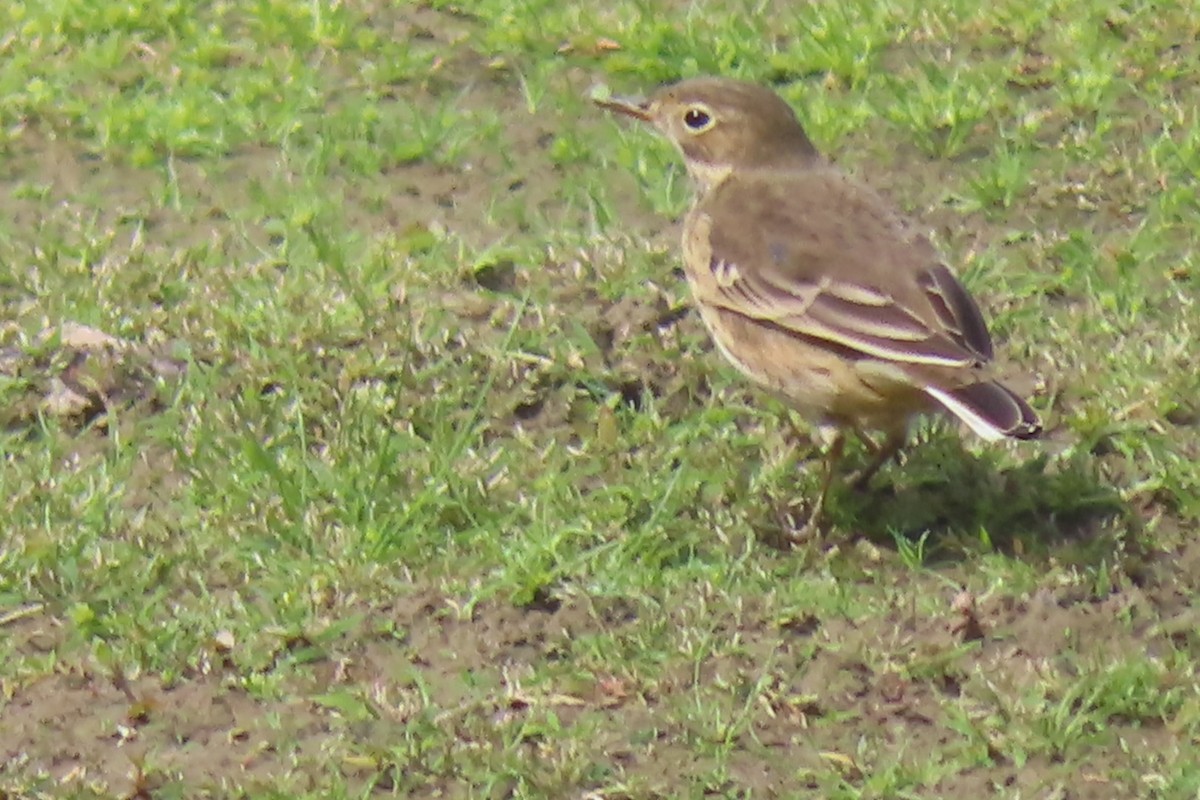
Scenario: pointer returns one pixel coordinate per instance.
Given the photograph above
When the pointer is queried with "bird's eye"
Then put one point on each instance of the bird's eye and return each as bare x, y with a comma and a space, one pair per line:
697, 119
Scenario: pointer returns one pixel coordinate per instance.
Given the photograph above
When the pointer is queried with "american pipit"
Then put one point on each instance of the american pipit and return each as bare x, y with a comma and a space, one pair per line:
815, 287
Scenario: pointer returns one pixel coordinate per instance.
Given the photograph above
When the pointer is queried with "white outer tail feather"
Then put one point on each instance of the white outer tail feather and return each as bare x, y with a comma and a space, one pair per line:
975, 422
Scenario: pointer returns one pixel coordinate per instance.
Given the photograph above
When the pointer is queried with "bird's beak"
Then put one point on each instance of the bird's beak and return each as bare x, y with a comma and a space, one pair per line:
629, 106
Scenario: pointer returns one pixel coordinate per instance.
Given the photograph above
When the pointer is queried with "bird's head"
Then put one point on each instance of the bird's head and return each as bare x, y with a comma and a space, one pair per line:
722, 124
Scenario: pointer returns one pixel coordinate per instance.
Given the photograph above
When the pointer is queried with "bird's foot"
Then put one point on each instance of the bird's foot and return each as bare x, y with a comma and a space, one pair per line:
806, 534
802, 526
860, 479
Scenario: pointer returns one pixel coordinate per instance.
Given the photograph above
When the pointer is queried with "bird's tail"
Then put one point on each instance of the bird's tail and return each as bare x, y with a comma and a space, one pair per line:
990, 409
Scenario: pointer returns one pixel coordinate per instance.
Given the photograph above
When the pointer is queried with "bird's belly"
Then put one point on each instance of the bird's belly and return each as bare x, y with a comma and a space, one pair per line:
822, 384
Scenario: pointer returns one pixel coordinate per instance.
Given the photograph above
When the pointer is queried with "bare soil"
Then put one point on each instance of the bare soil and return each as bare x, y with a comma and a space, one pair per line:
830, 687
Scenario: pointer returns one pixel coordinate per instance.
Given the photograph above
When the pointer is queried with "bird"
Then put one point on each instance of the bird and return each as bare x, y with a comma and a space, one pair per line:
817, 288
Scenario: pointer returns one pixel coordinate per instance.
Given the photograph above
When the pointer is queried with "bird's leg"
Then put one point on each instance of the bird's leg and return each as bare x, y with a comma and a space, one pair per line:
882, 453
867, 442
832, 456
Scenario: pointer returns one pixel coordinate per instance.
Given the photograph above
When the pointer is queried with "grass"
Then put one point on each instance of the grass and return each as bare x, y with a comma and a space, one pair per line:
453, 498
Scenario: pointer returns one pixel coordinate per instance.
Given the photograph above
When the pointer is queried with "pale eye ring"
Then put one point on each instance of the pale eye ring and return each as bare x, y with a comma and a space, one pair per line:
697, 119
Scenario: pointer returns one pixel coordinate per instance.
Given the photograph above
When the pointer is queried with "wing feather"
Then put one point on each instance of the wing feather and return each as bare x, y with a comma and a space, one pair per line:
873, 287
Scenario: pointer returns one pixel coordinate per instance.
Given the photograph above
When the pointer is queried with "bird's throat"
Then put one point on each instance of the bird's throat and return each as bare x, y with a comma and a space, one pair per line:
707, 176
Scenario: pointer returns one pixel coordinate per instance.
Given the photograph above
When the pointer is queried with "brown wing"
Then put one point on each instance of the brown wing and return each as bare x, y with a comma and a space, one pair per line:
818, 254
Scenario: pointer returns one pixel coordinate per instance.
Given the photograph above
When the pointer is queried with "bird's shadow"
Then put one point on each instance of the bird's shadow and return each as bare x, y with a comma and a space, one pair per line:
958, 502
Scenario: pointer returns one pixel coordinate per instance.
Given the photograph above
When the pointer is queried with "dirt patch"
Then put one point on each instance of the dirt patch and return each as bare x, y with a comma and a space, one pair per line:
81, 728
646, 345
75, 373
86, 726
815, 696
